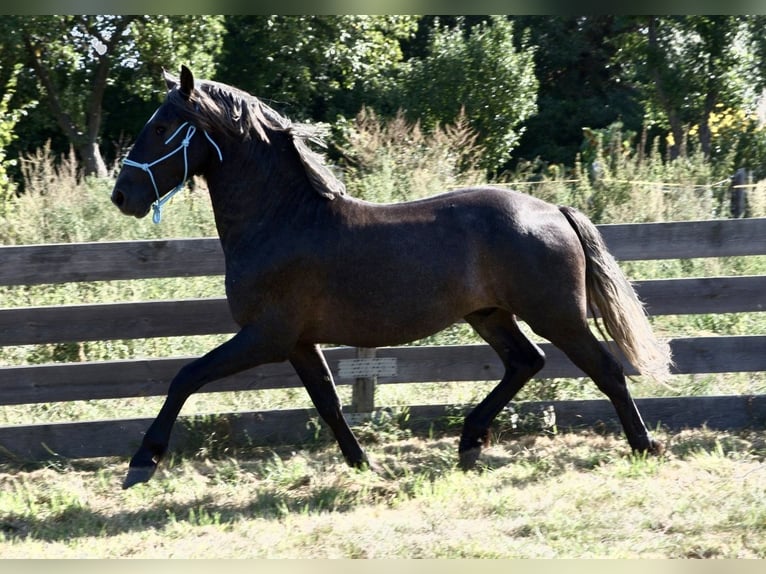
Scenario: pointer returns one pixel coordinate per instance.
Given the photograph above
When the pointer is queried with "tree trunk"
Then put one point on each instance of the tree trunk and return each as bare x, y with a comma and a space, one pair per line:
93, 163
677, 129
705, 136
83, 137
655, 61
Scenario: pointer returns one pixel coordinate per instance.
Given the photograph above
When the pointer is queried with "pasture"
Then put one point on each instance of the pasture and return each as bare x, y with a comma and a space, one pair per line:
571, 495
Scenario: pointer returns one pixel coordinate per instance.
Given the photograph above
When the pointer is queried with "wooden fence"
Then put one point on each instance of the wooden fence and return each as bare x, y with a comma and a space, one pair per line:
363, 368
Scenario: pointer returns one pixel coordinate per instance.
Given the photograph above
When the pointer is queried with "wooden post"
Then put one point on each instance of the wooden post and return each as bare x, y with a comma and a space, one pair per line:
363, 390
739, 193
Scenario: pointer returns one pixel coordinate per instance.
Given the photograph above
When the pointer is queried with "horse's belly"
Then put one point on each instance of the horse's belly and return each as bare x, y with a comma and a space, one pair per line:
381, 331
393, 312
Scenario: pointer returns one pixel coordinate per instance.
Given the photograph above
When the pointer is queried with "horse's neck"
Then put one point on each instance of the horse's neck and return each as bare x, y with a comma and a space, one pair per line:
245, 204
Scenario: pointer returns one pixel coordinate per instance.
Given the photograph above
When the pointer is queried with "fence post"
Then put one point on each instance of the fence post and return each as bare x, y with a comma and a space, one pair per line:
739, 193
363, 390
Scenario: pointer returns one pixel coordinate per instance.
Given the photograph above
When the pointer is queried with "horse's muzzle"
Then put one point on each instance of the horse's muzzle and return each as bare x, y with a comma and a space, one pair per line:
120, 199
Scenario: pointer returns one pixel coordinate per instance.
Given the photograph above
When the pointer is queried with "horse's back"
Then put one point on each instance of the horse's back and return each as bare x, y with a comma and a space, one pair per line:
473, 223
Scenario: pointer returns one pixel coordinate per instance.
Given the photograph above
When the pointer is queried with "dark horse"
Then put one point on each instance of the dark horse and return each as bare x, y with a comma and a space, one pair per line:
307, 264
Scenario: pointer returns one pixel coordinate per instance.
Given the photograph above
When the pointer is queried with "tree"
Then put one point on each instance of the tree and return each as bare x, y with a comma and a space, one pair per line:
685, 66
481, 71
9, 117
314, 67
74, 60
580, 84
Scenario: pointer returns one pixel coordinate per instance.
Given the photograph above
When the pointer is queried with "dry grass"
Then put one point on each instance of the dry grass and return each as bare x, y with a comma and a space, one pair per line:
572, 495
395, 160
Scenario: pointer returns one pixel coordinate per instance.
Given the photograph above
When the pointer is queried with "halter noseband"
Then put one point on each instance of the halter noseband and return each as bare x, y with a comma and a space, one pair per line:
147, 167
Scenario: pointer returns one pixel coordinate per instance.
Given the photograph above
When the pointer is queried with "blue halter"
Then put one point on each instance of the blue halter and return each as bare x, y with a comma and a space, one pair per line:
147, 167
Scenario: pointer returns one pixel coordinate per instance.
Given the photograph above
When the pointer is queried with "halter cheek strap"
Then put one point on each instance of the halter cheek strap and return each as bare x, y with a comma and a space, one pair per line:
147, 167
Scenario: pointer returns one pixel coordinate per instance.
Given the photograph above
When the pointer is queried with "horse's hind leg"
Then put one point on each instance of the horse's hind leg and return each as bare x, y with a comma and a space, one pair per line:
309, 362
585, 351
521, 358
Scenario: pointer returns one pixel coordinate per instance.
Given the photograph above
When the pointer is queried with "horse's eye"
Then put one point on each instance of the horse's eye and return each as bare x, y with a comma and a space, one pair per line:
160, 130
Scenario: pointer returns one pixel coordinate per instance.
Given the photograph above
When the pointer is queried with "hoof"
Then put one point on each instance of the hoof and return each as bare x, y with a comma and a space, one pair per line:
656, 448
137, 474
468, 458
469, 448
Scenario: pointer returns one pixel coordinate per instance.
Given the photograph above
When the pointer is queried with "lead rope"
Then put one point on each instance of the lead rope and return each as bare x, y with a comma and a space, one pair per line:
147, 167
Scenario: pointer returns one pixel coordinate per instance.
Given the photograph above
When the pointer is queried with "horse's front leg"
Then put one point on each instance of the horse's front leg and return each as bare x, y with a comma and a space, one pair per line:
311, 366
246, 349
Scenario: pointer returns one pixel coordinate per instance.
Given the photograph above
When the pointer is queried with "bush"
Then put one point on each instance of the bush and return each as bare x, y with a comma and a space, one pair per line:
616, 180
395, 160
9, 117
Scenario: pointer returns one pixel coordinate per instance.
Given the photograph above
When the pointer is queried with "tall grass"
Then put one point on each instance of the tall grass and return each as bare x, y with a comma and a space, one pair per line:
60, 206
394, 160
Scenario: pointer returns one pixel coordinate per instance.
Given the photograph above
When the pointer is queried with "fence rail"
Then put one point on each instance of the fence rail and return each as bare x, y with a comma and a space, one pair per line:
50, 264
113, 260
210, 316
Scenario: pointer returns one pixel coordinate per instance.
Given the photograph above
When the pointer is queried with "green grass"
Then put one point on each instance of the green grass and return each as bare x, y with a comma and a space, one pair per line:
538, 496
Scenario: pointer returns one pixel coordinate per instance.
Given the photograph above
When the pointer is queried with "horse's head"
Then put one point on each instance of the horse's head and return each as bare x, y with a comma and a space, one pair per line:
169, 149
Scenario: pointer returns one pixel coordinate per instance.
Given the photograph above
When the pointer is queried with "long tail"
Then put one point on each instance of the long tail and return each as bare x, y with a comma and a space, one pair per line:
622, 312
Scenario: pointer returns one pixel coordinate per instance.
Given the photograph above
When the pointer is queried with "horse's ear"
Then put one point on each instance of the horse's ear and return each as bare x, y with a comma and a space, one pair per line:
187, 82
170, 80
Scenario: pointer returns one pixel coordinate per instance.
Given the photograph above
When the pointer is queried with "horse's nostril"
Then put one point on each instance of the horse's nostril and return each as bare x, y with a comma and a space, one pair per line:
118, 198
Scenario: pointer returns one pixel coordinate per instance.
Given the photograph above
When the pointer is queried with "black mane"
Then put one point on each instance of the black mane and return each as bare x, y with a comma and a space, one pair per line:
219, 108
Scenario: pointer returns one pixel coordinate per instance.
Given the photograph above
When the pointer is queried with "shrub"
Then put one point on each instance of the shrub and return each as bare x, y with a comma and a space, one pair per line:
396, 160
59, 205
616, 179
9, 117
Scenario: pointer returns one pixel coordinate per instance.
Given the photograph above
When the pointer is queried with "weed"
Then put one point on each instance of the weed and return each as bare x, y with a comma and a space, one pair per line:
206, 435
384, 425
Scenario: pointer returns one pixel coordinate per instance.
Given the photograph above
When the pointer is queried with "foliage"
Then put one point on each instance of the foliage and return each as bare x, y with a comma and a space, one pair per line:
686, 66
619, 182
580, 84
61, 206
156, 42
75, 57
314, 66
482, 72
9, 117
737, 139
528, 84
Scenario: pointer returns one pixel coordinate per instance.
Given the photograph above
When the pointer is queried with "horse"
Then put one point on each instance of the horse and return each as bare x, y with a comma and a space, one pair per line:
306, 264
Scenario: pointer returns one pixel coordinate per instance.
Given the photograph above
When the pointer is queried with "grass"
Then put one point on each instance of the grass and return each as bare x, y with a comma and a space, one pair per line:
539, 496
